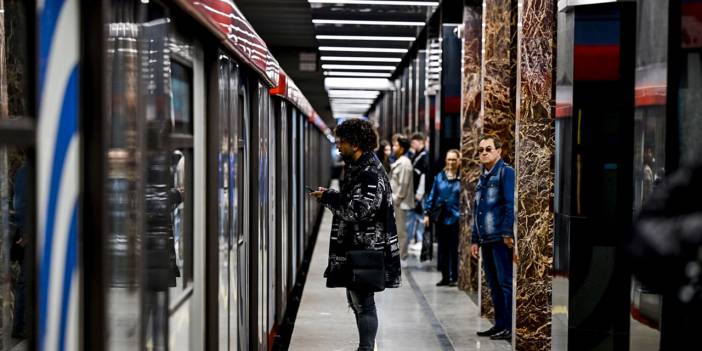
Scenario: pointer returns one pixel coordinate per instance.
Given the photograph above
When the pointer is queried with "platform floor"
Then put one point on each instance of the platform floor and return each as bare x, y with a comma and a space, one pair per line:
416, 316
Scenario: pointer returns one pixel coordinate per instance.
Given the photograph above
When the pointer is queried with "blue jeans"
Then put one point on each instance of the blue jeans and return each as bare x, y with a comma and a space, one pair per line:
497, 263
415, 226
363, 305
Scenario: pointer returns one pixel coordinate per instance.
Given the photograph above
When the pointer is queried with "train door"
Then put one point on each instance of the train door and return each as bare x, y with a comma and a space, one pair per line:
185, 297
226, 155
242, 211
262, 205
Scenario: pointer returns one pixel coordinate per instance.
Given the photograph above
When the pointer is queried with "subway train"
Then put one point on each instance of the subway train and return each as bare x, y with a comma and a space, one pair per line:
166, 155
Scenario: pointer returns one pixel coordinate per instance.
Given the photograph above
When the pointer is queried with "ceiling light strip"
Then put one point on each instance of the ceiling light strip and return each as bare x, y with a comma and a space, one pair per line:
369, 23
356, 74
364, 37
360, 59
357, 49
359, 67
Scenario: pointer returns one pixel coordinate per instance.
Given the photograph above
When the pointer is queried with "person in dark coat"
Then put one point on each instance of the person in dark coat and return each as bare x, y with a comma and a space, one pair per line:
363, 219
665, 254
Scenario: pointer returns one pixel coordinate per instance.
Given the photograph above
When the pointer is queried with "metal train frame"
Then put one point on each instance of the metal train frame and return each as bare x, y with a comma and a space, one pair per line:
136, 101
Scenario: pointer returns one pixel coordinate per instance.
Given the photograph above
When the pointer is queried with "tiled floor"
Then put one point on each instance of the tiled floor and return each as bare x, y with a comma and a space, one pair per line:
417, 316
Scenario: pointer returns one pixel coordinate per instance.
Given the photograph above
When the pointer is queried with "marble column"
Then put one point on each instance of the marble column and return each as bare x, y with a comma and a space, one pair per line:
470, 118
498, 86
534, 150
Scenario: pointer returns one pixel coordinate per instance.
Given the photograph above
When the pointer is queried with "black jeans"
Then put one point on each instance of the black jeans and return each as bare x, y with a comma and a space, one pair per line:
448, 251
18, 325
363, 305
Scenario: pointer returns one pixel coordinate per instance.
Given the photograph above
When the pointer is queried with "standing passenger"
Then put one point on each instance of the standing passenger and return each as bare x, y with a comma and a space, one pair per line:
363, 219
444, 204
402, 183
415, 228
383, 153
493, 220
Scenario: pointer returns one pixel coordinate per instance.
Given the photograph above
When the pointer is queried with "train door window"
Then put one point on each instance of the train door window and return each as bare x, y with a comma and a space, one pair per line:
181, 164
17, 234
186, 153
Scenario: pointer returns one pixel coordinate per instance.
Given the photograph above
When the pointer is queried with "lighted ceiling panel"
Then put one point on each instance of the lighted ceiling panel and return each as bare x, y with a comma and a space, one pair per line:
361, 43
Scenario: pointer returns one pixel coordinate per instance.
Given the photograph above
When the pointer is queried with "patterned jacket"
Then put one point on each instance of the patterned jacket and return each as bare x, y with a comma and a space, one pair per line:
363, 219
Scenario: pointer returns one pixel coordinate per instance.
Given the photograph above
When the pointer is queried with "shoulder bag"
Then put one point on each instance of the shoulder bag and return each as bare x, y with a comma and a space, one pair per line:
366, 269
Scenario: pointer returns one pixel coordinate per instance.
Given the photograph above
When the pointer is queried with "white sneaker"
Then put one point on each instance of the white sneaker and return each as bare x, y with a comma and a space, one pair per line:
403, 263
416, 246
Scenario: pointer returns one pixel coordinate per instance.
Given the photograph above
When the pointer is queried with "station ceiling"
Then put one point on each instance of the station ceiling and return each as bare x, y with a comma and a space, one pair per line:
358, 44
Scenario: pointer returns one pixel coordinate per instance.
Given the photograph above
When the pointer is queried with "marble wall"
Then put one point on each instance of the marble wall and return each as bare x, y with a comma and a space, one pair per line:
534, 152
470, 167
498, 87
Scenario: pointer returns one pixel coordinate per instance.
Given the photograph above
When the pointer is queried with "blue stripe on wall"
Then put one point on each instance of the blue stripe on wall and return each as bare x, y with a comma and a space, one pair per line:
47, 25
67, 128
71, 260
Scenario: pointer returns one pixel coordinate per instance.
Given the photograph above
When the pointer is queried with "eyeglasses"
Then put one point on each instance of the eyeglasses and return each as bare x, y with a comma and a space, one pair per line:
487, 149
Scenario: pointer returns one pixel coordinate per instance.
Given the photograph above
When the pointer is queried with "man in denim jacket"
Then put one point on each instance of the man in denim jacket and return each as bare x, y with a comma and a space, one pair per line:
493, 221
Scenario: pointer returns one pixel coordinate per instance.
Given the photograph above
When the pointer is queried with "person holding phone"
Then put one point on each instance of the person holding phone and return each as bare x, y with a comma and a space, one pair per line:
363, 220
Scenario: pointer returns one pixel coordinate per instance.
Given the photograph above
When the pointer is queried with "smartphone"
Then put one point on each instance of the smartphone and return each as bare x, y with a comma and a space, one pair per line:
310, 189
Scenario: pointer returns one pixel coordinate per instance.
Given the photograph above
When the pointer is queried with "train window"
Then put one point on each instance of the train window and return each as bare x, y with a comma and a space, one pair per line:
181, 88
181, 164
16, 174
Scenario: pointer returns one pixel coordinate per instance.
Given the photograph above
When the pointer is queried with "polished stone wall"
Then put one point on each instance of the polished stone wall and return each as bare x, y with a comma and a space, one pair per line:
498, 86
470, 167
534, 152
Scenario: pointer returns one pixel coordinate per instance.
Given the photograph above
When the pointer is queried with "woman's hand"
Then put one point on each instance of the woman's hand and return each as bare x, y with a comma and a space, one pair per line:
426, 221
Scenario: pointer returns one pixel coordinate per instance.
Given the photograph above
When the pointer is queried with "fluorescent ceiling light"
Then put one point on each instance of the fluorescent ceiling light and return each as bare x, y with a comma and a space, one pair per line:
352, 100
356, 49
356, 74
350, 107
376, 2
368, 23
360, 59
357, 83
353, 93
363, 37
360, 67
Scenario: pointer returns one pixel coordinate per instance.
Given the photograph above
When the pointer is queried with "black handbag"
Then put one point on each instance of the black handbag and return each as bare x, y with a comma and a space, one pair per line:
437, 211
366, 269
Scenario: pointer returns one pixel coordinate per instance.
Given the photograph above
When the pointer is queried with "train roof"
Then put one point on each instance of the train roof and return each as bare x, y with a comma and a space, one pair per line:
224, 19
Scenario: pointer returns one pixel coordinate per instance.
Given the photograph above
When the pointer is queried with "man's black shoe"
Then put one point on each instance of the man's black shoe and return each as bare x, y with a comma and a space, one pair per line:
489, 332
442, 283
502, 335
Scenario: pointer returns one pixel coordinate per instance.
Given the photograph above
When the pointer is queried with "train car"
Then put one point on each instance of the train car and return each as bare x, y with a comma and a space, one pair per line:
160, 154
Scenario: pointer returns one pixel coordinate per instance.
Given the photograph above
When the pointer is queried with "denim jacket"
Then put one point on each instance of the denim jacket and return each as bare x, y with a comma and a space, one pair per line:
447, 191
493, 208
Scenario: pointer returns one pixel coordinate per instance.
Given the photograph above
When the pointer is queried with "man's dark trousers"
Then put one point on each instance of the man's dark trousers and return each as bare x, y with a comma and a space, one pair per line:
497, 263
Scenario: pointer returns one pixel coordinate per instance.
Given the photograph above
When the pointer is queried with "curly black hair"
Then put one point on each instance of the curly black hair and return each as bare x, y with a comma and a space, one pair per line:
358, 132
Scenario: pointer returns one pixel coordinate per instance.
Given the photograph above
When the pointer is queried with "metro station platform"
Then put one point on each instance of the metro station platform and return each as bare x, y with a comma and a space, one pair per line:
416, 316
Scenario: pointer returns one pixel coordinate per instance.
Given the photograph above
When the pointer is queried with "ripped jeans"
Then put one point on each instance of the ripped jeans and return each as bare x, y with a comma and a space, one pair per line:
363, 306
